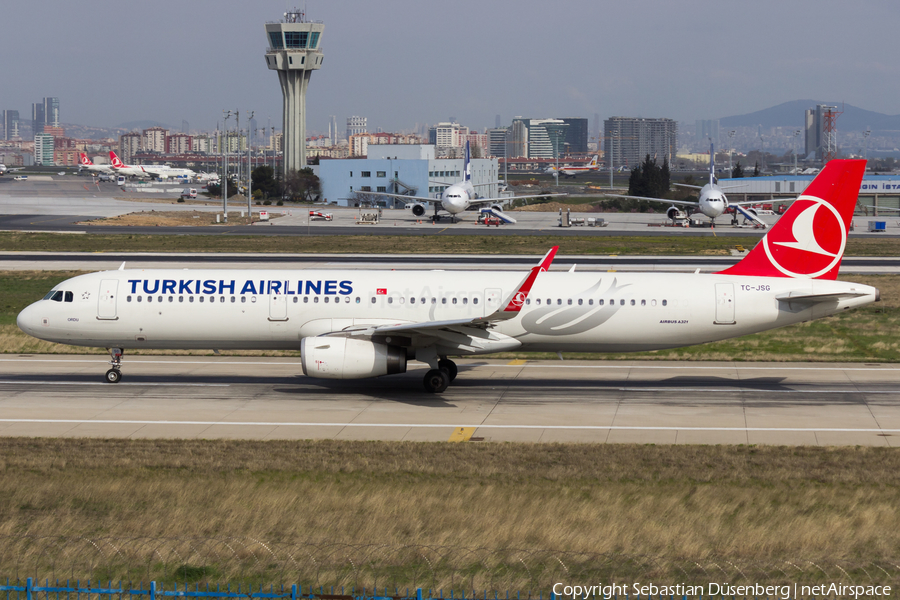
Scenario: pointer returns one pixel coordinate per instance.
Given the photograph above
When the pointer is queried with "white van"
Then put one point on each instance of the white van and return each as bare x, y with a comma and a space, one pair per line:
21, 178
188, 193
120, 180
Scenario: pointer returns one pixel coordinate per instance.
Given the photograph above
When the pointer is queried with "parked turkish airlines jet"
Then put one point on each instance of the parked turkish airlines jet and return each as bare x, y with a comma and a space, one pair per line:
712, 202
86, 164
573, 171
161, 171
456, 197
352, 324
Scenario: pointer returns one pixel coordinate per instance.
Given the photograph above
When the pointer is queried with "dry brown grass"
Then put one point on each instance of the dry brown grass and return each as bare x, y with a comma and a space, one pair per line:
193, 218
745, 504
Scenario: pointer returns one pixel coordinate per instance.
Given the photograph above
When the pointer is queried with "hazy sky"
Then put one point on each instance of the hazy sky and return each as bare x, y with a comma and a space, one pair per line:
403, 62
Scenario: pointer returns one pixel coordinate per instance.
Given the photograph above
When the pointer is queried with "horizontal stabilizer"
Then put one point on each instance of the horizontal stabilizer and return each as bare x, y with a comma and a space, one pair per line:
804, 298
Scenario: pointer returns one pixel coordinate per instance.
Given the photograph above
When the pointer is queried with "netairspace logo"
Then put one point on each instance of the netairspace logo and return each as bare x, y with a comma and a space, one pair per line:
562, 591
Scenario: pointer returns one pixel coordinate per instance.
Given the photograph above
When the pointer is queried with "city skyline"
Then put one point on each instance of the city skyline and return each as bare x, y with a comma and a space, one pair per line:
703, 60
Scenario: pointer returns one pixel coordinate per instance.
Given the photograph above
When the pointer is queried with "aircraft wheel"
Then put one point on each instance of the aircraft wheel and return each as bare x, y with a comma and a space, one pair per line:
436, 381
449, 366
113, 376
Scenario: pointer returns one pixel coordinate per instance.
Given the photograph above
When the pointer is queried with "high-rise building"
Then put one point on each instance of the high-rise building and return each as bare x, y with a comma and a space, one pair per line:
818, 138
11, 124
576, 141
447, 135
44, 145
294, 52
628, 140
154, 139
179, 143
707, 129
497, 142
37, 118
356, 125
129, 145
51, 111
537, 138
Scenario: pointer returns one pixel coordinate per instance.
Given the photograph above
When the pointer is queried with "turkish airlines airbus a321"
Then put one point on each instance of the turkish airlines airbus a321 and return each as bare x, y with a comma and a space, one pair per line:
355, 324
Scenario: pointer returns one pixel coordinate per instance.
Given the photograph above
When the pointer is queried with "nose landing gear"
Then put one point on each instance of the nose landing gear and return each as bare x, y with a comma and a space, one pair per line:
114, 375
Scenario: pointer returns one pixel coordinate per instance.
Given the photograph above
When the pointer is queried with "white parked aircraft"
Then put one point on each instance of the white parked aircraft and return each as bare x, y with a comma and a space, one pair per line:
160, 171
457, 197
574, 171
86, 164
351, 324
712, 201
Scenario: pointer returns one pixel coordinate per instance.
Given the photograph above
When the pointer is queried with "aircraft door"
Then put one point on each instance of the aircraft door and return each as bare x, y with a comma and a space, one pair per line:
278, 307
491, 300
106, 299
725, 304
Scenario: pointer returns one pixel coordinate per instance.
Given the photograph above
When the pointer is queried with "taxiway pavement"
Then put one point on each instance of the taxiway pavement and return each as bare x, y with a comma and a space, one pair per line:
491, 400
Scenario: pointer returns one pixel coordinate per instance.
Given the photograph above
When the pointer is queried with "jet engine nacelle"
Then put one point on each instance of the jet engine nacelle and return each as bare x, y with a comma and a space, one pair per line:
674, 213
418, 210
344, 358
497, 207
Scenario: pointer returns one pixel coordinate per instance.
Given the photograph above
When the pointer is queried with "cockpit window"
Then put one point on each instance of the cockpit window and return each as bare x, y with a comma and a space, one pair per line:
70, 297
55, 295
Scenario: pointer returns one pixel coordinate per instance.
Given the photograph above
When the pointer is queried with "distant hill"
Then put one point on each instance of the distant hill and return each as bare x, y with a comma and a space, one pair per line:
131, 125
790, 114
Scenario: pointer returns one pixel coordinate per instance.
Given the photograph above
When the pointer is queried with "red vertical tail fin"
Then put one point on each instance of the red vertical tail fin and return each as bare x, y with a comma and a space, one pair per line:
808, 241
114, 160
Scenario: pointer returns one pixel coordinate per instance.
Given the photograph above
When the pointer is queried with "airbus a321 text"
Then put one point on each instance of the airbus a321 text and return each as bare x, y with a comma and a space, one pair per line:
351, 324
456, 197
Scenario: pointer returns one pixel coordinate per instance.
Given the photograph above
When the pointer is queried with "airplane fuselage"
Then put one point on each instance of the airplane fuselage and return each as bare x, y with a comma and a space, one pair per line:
268, 309
713, 201
456, 198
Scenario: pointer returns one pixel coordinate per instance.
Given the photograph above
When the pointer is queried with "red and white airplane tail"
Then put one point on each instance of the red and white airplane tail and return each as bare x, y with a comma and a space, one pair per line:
115, 161
85, 160
809, 240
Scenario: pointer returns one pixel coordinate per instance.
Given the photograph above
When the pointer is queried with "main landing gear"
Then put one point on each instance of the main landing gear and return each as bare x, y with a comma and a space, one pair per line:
114, 375
437, 380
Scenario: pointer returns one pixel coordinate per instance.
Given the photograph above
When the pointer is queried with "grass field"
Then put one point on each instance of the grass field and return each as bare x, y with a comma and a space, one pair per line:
869, 334
428, 243
679, 506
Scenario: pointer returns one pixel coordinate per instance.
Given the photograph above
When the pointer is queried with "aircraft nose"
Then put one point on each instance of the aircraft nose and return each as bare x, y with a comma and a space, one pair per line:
28, 320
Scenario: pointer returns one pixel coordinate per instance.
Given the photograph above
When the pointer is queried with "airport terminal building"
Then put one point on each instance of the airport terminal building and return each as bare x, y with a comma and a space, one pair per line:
875, 190
409, 169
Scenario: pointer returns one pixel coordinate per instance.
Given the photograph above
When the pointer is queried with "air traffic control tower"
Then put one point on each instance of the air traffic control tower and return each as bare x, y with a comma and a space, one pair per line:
294, 52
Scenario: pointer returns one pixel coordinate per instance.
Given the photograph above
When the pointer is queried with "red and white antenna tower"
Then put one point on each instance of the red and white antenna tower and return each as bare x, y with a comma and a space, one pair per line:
829, 132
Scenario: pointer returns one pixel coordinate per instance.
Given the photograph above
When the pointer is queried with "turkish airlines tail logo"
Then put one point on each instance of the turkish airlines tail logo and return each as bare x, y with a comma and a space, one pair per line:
85, 160
809, 240
115, 160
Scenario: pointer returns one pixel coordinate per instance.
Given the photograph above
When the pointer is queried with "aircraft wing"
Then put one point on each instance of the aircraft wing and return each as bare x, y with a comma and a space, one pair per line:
686, 185
468, 334
881, 207
681, 202
404, 196
508, 198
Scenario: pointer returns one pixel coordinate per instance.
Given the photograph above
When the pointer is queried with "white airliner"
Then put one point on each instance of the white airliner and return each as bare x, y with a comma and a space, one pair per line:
351, 324
712, 202
457, 197
594, 165
86, 164
160, 171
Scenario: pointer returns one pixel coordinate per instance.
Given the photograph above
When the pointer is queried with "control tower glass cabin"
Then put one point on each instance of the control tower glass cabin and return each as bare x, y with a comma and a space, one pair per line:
294, 51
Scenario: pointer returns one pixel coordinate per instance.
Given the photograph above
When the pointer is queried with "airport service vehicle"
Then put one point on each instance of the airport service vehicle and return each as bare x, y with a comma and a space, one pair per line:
572, 172
86, 164
712, 202
20, 178
188, 193
160, 171
456, 197
353, 324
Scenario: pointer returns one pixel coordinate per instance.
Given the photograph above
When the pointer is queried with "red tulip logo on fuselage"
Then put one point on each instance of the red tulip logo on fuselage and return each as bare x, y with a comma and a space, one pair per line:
814, 242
